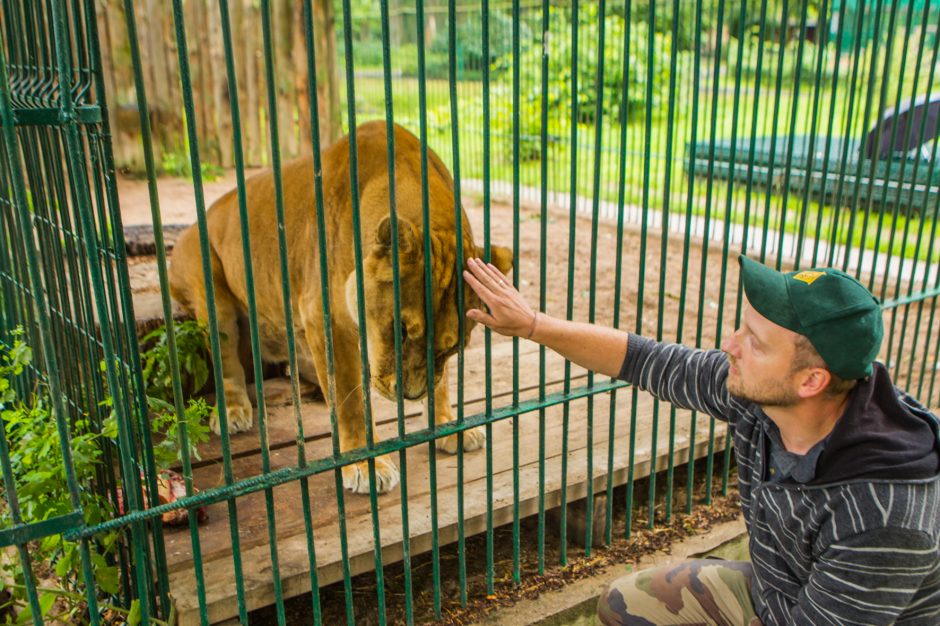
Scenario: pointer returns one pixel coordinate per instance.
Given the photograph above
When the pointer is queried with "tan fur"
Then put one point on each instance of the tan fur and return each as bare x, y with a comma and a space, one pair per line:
228, 268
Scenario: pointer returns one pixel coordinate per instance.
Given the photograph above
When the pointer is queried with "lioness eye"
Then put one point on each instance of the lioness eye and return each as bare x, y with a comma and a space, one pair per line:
404, 333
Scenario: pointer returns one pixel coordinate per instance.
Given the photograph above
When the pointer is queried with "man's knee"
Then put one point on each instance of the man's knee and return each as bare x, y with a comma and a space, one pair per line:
683, 592
617, 596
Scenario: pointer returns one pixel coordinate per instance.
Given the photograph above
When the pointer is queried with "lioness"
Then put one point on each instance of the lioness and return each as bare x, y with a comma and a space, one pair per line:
228, 271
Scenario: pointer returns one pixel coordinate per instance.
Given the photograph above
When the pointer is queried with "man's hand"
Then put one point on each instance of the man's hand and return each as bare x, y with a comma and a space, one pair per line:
509, 314
596, 348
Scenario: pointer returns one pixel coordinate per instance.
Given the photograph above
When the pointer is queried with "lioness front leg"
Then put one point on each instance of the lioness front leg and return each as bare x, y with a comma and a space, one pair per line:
472, 439
237, 403
350, 421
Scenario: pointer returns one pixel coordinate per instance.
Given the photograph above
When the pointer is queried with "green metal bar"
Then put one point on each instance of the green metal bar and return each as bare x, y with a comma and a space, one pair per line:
396, 315
931, 239
592, 298
794, 111
286, 295
897, 203
683, 290
911, 298
214, 338
21, 533
119, 293
726, 238
569, 308
651, 41
146, 138
810, 167
836, 66
618, 272
849, 122
936, 354
705, 236
872, 77
88, 114
634, 396
105, 173
784, 16
488, 336
286, 475
930, 323
758, 82
543, 273
461, 328
82, 202
873, 168
320, 218
664, 256
428, 277
516, 556
360, 303
884, 192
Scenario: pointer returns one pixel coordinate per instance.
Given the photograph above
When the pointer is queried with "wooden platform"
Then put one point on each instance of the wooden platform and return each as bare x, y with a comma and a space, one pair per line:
215, 536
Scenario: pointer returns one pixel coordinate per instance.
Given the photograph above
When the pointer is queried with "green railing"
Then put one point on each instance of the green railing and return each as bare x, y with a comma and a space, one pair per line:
624, 151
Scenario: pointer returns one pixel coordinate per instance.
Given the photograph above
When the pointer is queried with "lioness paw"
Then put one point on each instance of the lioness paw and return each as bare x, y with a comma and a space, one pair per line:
238, 410
472, 440
356, 476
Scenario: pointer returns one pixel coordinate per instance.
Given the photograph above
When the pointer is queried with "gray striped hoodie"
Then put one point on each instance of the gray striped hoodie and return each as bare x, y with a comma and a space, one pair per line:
856, 545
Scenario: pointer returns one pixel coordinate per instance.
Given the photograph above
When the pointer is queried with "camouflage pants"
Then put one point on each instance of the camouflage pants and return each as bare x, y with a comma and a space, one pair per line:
704, 591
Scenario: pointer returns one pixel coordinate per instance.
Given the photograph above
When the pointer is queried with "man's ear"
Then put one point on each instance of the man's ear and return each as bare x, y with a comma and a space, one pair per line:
815, 381
407, 237
500, 257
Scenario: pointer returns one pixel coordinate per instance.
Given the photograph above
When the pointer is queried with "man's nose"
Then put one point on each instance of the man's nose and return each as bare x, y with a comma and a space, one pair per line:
729, 344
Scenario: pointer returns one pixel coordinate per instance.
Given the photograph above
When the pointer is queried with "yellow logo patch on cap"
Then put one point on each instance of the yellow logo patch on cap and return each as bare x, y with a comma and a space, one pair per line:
808, 277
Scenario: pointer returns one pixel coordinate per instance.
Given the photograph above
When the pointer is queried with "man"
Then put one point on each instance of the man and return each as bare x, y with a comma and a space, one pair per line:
838, 470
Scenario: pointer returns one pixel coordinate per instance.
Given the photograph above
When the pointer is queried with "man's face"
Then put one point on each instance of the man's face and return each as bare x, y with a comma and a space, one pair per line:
761, 355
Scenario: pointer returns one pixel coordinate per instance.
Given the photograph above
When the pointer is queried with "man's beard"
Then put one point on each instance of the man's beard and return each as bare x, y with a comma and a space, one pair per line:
773, 393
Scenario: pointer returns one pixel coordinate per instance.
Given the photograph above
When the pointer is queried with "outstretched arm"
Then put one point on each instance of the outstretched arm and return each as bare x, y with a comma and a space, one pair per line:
594, 347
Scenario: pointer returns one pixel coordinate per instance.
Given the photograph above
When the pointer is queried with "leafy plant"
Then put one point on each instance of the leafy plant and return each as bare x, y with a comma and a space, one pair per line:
192, 349
179, 164
39, 475
165, 429
39, 471
469, 39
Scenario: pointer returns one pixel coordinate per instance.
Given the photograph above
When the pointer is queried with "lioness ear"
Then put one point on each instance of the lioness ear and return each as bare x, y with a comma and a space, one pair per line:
407, 236
500, 257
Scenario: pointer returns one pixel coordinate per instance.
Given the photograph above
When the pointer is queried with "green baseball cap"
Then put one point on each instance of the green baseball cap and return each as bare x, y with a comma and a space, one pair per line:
835, 312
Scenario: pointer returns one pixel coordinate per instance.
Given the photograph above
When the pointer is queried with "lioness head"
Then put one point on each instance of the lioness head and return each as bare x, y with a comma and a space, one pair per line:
380, 305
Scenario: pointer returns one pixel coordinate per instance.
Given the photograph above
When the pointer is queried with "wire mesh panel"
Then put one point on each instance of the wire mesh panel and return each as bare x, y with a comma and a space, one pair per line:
328, 414
67, 302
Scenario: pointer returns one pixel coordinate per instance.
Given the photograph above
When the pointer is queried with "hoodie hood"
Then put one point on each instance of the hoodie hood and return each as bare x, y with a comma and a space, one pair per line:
883, 434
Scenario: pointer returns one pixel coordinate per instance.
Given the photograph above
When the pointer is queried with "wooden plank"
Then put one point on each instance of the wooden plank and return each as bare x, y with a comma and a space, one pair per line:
281, 430
292, 547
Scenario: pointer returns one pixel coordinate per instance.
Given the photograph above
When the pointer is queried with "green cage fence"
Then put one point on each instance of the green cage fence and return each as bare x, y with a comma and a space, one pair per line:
611, 157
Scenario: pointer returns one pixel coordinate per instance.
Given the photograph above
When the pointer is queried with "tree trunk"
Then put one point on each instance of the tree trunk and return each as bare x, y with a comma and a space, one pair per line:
327, 84
118, 84
299, 73
284, 68
222, 122
249, 84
